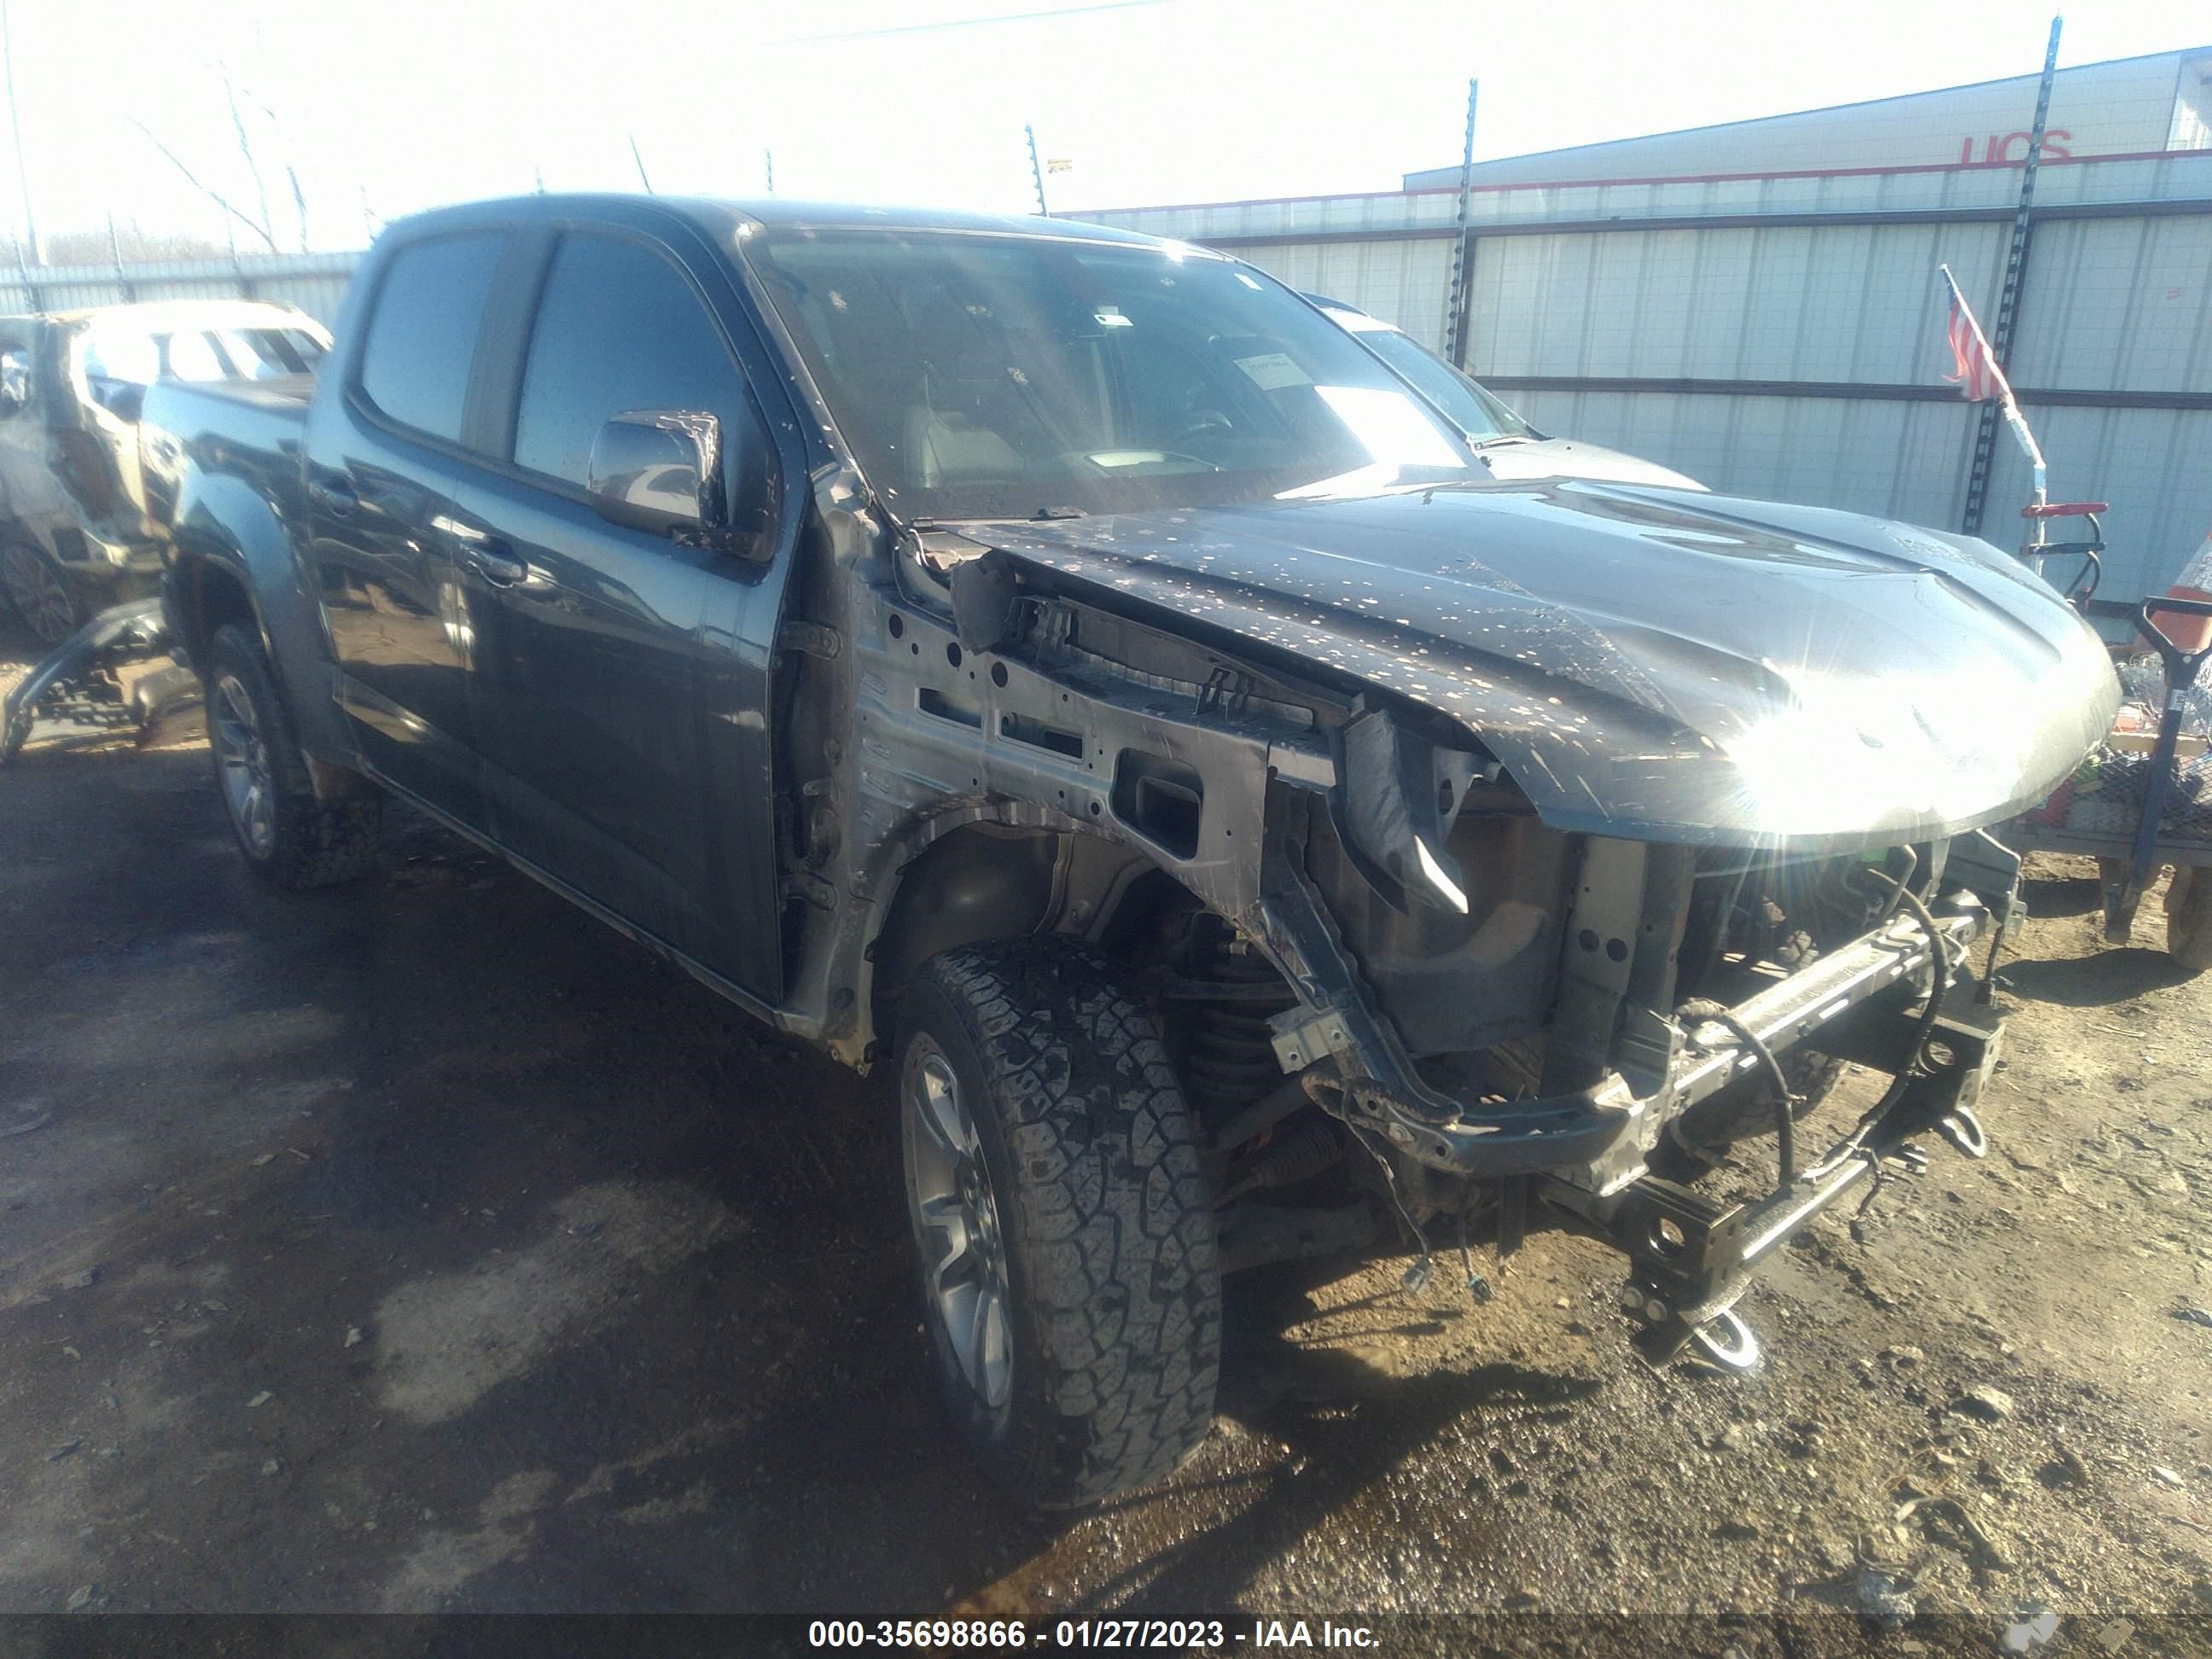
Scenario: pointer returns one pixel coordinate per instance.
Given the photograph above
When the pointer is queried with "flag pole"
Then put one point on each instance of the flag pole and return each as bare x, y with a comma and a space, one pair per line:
2008, 404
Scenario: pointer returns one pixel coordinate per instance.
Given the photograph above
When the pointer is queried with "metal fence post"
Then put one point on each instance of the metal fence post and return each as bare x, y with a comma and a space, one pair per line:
1455, 303
2015, 274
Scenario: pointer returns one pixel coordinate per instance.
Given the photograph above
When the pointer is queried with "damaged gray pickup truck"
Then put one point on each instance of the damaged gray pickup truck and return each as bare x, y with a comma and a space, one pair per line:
1064, 672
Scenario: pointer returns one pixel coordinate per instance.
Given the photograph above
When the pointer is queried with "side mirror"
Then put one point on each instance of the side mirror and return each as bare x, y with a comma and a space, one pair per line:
660, 471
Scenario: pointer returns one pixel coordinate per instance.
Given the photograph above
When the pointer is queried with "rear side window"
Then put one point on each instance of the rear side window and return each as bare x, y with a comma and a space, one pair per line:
618, 328
422, 330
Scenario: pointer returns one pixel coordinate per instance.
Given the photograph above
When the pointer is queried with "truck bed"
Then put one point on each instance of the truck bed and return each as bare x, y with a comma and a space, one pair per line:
256, 426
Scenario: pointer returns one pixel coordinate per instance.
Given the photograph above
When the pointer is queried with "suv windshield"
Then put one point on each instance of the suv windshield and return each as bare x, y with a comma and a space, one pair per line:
987, 375
1475, 410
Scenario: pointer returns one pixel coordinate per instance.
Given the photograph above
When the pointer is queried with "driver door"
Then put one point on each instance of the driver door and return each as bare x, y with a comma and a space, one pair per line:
621, 724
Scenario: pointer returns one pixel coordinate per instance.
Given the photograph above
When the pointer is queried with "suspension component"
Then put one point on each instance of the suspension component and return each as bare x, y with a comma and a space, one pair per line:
1299, 1155
1224, 999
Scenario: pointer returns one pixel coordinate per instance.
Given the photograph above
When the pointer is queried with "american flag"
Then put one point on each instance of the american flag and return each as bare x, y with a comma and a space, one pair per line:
1979, 378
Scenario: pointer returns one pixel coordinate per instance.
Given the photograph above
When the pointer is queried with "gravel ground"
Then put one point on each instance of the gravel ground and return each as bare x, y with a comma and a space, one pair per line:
424, 1246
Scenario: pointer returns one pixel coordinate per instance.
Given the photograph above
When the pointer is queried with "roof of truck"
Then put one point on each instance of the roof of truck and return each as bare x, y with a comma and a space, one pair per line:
776, 212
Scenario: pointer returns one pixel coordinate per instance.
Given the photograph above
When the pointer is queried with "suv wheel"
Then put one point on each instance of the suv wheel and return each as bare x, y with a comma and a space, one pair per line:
38, 592
1063, 1227
289, 838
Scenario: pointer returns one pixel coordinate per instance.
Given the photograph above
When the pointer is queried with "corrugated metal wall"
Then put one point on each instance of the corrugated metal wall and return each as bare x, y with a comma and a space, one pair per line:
1783, 336
1679, 319
316, 283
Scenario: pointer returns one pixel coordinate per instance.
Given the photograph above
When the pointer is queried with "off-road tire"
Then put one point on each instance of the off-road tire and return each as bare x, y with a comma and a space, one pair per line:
317, 843
1106, 1222
2189, 918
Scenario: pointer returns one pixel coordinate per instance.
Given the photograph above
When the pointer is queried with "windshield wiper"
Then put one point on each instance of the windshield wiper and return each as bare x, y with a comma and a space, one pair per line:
1502, 438
1058, 513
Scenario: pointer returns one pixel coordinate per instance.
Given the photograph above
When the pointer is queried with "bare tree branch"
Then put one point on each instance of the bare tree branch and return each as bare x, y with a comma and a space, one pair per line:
246, 149
192, 179
299, 202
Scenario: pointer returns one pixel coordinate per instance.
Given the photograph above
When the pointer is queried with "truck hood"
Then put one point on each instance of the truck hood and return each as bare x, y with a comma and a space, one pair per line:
1648, 663
1571, 458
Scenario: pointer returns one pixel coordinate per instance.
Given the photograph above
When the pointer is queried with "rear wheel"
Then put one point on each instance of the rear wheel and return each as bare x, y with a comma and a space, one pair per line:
2189, 918
289, 838
39, 592
1061, 1222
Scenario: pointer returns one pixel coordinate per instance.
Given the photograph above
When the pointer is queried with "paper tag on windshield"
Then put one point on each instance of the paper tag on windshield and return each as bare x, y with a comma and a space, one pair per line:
1272, 370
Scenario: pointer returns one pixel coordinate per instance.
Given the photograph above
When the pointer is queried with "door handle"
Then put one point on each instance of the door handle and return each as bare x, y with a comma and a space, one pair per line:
334, 495
496, 563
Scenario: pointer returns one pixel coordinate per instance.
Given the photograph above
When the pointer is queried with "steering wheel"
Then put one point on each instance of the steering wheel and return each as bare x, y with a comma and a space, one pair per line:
1200, 422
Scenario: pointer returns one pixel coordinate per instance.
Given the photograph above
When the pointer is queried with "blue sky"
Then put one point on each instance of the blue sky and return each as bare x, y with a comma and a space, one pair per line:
407, 103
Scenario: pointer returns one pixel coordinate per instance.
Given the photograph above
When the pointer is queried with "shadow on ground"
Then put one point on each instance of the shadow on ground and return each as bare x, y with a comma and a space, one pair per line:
422, 1245
2079, 895
2117, 975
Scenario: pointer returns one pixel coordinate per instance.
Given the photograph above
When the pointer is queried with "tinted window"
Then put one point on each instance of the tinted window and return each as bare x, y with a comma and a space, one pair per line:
415, 365
618, 328
263, 354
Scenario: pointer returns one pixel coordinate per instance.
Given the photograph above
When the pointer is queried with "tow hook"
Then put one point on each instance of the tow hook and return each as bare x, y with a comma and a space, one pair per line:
1723, 1338
1965, 1131
1728, 1342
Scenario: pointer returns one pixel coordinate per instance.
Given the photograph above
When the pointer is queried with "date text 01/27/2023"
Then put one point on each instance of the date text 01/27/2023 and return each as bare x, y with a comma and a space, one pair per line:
1175, 1635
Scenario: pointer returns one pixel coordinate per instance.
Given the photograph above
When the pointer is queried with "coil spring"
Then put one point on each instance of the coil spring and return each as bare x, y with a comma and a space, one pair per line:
1228, 1051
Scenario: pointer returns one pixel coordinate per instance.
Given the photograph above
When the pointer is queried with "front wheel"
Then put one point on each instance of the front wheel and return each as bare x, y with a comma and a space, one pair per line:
289, 837
1062, 1220
39, 592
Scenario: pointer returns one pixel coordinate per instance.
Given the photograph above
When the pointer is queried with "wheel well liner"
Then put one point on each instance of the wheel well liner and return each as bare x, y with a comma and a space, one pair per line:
213, 594
982, 881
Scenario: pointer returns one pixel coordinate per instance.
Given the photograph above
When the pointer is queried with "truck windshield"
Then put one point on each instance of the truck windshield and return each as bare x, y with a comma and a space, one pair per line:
985, 376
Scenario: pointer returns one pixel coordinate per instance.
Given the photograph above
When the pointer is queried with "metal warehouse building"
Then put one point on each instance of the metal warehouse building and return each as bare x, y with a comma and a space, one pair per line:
1757, 304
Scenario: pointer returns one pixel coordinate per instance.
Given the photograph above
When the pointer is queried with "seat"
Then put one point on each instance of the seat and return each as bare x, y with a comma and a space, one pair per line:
945, 448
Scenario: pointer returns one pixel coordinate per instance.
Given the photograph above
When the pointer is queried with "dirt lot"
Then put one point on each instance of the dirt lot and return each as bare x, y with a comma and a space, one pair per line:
425, 1246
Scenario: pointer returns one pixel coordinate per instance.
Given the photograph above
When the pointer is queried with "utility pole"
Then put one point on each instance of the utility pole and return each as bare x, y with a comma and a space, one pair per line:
1462, 247
640, 159
2016, 272
15, 125
1036, 174
115, 253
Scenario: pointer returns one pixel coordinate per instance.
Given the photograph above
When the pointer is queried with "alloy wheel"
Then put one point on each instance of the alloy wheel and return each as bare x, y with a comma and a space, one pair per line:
242, 762
956, 1223
37, 594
